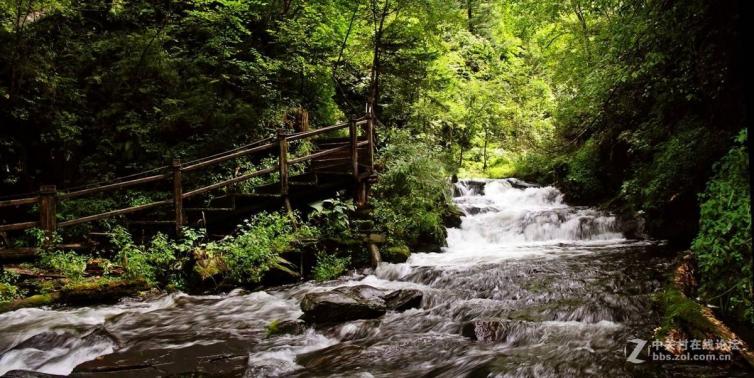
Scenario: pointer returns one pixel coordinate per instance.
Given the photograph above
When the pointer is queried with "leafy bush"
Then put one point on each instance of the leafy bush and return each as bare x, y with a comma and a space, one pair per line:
583, 173
8, 289
152, 263
332, 218
257, 246
723, 245
413, 193
330, 266
67, 263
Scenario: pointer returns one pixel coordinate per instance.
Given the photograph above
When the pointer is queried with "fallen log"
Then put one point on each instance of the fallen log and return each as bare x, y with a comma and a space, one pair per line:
88, 293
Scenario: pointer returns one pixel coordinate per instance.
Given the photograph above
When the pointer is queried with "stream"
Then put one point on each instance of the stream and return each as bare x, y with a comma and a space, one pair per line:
571, 290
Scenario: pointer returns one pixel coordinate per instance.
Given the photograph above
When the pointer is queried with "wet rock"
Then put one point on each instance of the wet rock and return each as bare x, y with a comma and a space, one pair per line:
475, 186
28, 374
229, 358
403, 299
632, 225
489, 329
343, 304
452, 217
518, 184
322, 360
290, 327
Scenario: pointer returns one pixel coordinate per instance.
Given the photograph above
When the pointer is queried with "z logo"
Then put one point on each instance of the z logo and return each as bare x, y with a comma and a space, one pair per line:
635, 353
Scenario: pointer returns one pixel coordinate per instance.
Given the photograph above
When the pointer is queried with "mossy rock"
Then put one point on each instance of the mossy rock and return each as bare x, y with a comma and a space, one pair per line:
286, 327
33, 301
396, 253
101, 290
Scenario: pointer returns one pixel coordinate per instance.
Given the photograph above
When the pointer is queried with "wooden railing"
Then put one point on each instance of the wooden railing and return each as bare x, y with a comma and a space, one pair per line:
48, 197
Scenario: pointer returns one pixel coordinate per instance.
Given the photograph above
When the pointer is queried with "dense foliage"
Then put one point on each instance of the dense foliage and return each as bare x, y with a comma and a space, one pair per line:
723, 245
413, 193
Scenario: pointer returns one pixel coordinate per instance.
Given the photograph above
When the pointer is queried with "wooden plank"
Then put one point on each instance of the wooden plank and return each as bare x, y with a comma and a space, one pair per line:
177, 196
283, 162
207, 209
354, 134
229, 182
309, 134
148, 222
18, 226
19, 202
319, 154
48, 202
115, 186
258, 195
370, 143
18, 254
113, 213
223, 158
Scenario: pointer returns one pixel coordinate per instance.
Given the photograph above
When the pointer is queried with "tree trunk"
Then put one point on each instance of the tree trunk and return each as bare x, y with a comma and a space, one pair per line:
375, 75
484, 152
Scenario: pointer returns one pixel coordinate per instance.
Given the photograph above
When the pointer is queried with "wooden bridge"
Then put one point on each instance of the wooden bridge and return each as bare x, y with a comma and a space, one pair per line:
334, 162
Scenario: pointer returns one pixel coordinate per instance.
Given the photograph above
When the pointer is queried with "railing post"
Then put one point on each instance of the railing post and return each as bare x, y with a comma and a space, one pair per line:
283, 166
370, 145
354, 134
178, 196
48, 203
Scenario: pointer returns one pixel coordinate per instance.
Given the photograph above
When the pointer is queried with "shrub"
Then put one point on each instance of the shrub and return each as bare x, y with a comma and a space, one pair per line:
413, 193
257, 246
8, 289
330, 266
582, 180
723, 244
67, 263
153, 263
332, 218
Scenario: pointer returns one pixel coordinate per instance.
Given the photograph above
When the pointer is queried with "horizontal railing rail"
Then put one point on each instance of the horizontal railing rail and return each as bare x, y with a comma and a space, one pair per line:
49, 197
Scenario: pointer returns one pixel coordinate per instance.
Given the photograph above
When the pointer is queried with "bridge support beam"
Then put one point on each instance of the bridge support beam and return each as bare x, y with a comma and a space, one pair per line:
48, 204
178, 196
283, 166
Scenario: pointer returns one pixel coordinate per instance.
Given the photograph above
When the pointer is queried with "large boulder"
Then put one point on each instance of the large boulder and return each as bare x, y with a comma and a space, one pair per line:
356, 302
343, 304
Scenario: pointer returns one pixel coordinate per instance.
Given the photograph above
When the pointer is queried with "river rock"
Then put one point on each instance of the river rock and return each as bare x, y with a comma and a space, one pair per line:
632, 225
489, 329
343, 304
452, 217
290, 327
403, 299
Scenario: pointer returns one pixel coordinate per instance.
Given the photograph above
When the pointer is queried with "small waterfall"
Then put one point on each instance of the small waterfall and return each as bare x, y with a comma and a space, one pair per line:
505, 214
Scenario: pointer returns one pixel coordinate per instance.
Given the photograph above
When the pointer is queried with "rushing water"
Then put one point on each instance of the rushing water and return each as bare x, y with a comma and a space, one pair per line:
571, 288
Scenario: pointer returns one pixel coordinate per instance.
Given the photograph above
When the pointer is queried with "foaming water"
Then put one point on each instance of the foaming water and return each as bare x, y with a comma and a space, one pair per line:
565, 287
